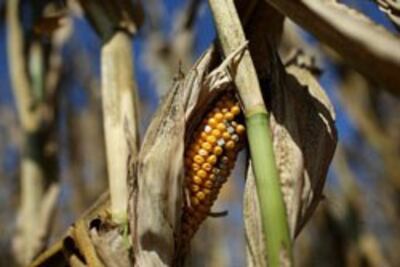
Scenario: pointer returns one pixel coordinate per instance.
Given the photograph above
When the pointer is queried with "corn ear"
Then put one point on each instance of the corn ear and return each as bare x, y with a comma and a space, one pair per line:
156, 198
209, 159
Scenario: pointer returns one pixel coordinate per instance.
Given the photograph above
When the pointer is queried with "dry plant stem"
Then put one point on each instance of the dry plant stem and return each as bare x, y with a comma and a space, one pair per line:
119, 98
368, 48
273, 211
29, 117
37, 203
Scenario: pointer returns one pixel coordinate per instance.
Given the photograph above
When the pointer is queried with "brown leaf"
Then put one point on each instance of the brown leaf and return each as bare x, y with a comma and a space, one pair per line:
304, 140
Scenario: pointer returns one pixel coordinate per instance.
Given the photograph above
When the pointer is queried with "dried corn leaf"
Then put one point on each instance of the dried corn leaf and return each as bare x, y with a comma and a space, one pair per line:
392, 9
304, 140
157, 196
366, 46
111, 248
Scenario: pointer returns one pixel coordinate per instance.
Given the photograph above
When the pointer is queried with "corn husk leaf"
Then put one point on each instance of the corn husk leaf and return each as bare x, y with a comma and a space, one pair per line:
304, 140
157, 196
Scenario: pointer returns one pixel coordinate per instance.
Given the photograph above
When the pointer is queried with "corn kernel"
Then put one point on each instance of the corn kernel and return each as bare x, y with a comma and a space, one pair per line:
212, 177
203, 152
235, 110
226, 135
197, 180
201, 173
240, 129
200, 195
212, 159
207, 146
218, 150
230, 144
219, 116
208, 184
229, 116
194, 188
198, 159
211, 139
212, 122
195, 166
206, 191
220, 126
206, 166
194, 201
216, 133
196, 148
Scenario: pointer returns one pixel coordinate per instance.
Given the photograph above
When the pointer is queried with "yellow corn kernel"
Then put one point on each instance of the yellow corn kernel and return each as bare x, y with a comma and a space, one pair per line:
198, 159
194, 188
220, 126
217, 133
195, 166
204, 136
212, 159
200, 195
201, 173
230, 144
212, 122
211, 139
197, 180
218, 150
235, 110
206, 166
226, 135
229, 116
207, 146
219, 116
240, 129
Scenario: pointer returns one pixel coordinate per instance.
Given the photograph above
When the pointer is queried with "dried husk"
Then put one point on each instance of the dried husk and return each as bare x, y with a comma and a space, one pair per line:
304, 140
158, 194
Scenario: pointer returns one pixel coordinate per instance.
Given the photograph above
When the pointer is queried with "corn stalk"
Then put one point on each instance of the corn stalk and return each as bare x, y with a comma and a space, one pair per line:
39, 185
119, 94
273, 211
120, 115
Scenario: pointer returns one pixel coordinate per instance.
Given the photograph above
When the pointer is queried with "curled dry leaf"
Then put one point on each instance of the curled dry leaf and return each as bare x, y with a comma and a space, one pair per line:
111, 247
304, 140
392, 9
157, 194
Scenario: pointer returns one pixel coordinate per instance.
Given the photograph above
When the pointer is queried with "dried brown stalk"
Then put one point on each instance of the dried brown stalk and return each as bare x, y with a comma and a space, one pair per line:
39, 186
119, 96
